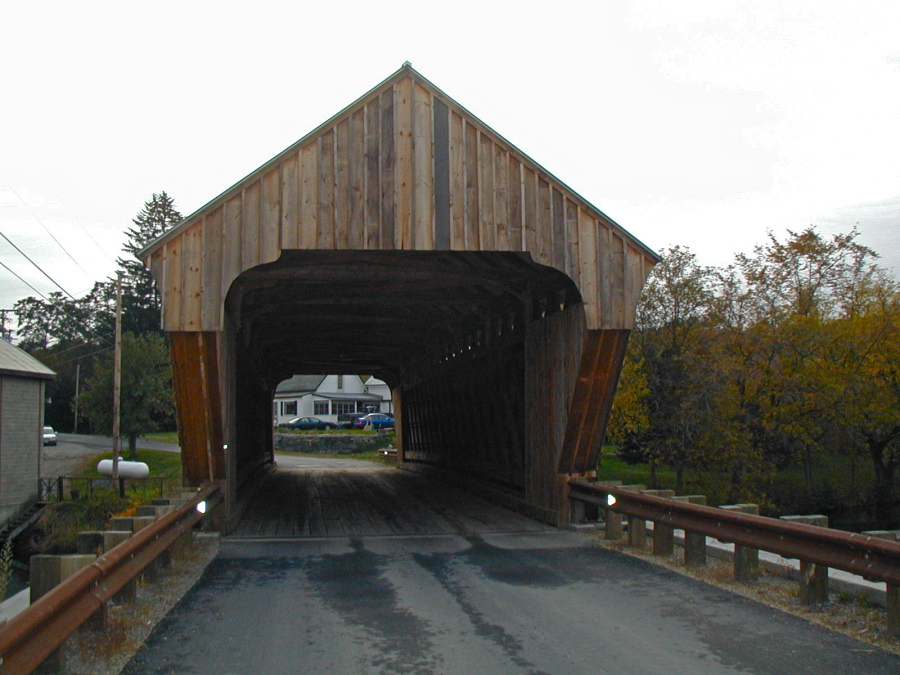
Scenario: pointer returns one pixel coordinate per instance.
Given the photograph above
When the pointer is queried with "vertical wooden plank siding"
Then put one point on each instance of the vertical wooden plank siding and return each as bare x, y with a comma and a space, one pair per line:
213, 258
309, 197
356, 235
406, 169
270, 217
342, 186
388, 171
473, 237
290, 203
174, 289
441, 177
325, 221
403, 169
559, 231
233, 253
501, 178
514, 203
192, 277
598, 373
372, 235
529, 210
457, 194
423, 171
574, 255
587, 248
195, 377
250, 227
486, 193
544, 254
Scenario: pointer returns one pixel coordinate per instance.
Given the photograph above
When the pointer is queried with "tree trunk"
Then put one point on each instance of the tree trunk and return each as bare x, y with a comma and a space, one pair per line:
132, 446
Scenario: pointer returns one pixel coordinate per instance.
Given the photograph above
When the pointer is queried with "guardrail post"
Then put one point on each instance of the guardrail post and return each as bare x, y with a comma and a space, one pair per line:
613, 519
663, 535
694, 543
47, 572
893, 609
637, 528
746, 560
111, 539
813, 577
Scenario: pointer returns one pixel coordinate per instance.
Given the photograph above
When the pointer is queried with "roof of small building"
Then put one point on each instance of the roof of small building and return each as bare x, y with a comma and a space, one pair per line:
299, 384
16, 362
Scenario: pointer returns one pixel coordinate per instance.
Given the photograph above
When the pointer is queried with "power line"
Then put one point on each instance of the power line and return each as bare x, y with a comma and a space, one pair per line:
83, 229
47, 230
23, 281
37, 266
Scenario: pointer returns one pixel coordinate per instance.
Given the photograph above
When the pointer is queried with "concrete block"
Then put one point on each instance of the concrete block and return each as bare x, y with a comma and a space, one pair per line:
613, 525
746, 563
48, 571
663, 540
154, 511
691, 499
111, 539
90, 542
637, 533
890, 535
813, 583
659, 493
634, 488
694, 549
121, 523
138, 523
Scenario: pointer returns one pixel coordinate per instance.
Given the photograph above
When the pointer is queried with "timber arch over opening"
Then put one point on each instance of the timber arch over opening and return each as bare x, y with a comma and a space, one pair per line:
406, 239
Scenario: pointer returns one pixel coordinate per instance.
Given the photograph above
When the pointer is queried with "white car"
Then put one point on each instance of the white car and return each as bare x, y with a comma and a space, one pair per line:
49, 436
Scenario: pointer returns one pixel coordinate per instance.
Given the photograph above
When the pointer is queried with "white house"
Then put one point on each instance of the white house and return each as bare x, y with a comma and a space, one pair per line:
328, 396
22, 389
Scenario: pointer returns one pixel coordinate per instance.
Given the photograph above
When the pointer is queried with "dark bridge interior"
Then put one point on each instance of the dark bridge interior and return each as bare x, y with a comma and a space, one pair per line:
450, 332
388, 312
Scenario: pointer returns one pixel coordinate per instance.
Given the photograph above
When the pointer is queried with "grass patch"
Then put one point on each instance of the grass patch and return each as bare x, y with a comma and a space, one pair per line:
161, 437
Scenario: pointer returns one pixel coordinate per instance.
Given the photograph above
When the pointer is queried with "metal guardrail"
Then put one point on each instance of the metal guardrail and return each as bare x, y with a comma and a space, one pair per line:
32, 636
867, 556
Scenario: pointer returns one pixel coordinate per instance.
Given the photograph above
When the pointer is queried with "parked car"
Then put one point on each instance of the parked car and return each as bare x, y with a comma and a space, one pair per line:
49, 436
346, 420
375, 420
309, 423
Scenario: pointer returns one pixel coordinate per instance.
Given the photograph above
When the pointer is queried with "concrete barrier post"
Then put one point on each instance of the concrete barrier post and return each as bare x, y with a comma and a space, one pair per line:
694, 549
576, 512
893, 609
813, 583
613, 525
746, 560
637, 533
111, 539
663, 540
47, 572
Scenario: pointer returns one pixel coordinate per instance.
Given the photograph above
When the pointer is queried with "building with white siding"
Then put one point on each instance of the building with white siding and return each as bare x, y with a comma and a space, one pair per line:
329, 396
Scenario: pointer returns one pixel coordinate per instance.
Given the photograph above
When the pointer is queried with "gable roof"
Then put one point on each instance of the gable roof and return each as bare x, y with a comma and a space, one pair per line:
299, 384
403, 168
16, 362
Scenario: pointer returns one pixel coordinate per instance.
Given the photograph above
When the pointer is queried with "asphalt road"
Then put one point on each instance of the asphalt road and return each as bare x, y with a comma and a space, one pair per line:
546, 602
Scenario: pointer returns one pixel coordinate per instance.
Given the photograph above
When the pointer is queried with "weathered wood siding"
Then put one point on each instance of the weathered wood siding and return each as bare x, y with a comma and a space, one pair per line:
404, 168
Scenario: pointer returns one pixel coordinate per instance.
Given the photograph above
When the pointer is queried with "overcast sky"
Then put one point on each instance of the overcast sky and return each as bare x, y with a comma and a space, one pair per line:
703, 124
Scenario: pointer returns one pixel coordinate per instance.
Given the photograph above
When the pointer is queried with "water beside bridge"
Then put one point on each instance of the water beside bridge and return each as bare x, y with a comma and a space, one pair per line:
365, 569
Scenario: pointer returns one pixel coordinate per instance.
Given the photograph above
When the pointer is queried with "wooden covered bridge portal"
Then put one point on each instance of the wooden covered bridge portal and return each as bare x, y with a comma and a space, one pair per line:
405, 239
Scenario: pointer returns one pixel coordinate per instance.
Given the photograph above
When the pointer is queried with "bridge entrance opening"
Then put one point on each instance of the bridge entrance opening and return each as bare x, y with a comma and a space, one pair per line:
452, 333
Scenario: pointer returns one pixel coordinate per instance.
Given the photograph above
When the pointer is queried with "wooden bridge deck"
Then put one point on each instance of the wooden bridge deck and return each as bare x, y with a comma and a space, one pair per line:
296, 503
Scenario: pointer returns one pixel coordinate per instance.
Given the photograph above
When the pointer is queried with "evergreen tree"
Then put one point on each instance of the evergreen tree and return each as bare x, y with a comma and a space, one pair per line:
140, 297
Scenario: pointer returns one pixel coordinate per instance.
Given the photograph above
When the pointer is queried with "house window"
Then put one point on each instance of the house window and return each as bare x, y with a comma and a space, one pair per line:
367, 406
342, 407
340, 382
320, 407
289, 408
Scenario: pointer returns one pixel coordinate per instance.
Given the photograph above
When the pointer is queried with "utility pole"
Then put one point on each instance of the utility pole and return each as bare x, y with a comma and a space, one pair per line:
117, 382
77, 382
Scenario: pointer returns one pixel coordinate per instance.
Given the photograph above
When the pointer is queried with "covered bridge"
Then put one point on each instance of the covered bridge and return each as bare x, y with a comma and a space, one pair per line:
406, 239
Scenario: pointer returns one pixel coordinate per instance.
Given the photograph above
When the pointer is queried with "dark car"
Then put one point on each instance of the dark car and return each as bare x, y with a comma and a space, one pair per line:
375, 420
309, 423
346, 420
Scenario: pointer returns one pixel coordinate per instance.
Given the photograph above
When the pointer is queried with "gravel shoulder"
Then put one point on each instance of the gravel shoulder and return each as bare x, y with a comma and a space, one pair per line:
108, 652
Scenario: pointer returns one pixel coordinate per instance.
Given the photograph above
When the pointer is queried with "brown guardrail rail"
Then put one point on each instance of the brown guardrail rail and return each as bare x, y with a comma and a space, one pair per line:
32, 636
870, 557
